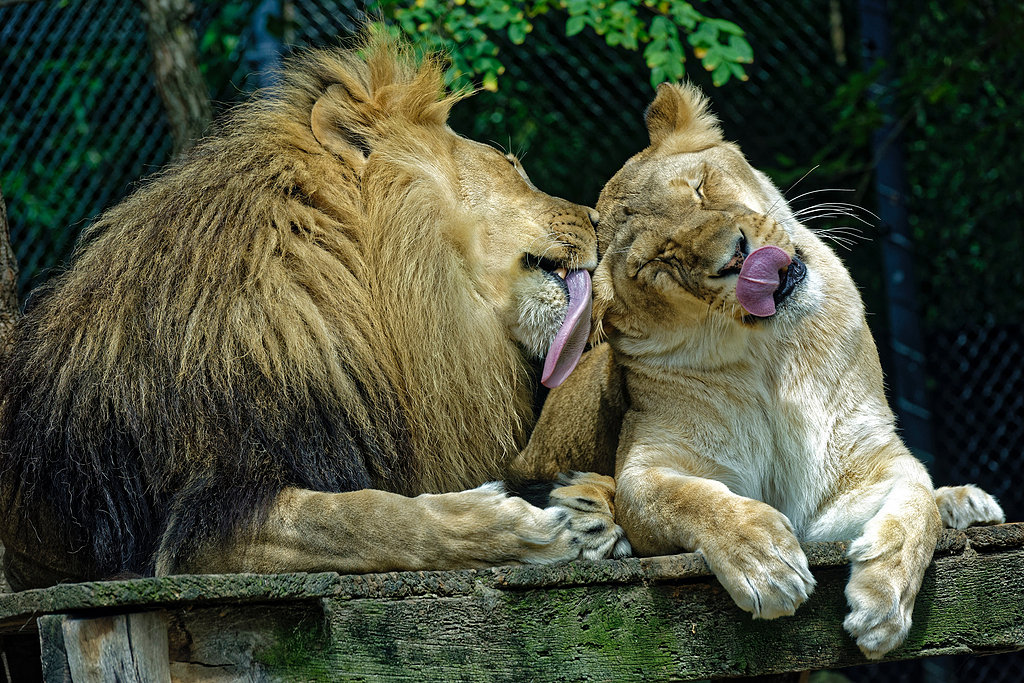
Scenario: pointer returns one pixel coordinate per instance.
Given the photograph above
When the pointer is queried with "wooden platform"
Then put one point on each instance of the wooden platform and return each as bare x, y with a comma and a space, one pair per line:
639, 619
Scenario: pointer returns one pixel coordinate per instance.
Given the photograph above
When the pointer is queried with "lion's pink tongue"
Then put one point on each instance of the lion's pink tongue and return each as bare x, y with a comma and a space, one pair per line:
568, 345
759, 278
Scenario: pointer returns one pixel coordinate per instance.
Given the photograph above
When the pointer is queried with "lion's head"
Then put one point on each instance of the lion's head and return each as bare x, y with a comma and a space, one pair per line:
699, 248
516, 245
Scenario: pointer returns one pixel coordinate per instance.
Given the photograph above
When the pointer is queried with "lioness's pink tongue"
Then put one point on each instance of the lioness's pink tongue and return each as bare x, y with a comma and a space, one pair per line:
759, 278
569, 342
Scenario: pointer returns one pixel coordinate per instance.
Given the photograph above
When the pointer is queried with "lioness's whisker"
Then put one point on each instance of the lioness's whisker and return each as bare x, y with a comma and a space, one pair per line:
790, 189
819, 190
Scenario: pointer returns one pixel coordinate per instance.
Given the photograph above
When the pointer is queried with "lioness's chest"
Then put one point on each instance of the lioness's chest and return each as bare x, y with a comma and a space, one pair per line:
762, 438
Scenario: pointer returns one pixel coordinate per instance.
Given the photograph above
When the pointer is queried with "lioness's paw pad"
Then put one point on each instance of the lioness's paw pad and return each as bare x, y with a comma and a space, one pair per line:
963, 506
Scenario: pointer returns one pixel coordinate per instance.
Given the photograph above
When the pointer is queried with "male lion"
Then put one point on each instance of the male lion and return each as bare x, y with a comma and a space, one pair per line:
742, 389
295, 349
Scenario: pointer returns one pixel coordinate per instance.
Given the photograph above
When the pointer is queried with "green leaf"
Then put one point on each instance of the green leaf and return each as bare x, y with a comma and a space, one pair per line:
497, 21
656, 53
577, 7
574, 25
685, 15
658, 76
662, 27
726, 26
740, 46
675, 69
705, 36
738, 71
713, 58
517, 33
720, 76
621, 7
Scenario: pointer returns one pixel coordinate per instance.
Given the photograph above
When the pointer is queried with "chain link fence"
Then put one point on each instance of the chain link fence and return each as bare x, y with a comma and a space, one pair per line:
81, 122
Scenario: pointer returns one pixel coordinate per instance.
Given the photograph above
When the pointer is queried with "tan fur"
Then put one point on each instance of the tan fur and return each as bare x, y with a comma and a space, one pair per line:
738, 437
335, 272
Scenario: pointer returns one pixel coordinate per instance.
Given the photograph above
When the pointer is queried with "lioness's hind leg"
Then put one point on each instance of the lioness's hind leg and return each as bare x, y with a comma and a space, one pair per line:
590, 500
889, 560
963, 506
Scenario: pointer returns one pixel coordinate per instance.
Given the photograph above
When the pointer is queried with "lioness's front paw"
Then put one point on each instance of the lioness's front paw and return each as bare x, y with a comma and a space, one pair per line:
760, 562
589, 500
883, 586
876, 622
962, 506
879, 617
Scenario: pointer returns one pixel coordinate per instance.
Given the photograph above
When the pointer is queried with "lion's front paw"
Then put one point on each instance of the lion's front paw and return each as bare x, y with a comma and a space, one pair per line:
589, 500
962, 506
760, 562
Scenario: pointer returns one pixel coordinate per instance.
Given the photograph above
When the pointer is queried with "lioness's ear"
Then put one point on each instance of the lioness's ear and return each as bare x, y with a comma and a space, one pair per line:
679, 116
331, 131
604, 294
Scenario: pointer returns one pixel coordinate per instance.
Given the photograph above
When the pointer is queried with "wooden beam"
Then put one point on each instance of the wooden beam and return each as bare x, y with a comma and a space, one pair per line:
630, 620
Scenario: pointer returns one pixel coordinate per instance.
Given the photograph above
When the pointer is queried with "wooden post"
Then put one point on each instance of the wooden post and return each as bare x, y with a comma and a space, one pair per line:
127, 648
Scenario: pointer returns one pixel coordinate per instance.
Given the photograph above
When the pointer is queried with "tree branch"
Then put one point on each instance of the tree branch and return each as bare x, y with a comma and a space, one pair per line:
10, 313
172, 41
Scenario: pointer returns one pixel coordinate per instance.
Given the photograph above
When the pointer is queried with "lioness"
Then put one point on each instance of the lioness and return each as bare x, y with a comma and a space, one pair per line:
742, 390
298, 347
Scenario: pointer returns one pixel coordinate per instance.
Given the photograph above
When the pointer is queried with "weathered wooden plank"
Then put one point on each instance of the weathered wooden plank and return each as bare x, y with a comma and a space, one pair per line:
127, 648
54, 656
680, 630
637, 619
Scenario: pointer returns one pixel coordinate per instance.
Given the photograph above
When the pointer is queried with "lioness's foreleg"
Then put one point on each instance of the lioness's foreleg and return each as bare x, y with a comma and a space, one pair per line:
889, 560
376, 531
749, 545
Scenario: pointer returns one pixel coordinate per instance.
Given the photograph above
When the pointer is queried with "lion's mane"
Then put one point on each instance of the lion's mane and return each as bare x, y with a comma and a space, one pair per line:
265, 314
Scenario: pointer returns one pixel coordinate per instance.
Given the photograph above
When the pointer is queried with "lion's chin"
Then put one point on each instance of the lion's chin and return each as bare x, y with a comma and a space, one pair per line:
539, 311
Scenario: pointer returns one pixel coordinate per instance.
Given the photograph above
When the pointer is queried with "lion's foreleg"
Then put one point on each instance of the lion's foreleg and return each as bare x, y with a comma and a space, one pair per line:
376, 531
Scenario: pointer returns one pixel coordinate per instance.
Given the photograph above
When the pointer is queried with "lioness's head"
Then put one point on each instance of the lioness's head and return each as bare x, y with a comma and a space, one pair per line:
698, 247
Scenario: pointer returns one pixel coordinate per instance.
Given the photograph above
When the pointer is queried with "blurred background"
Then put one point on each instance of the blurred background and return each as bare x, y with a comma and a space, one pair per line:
898, 127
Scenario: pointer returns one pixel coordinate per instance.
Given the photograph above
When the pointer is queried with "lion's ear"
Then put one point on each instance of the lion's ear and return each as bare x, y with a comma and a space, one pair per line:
330, 130
604, 294
679, 116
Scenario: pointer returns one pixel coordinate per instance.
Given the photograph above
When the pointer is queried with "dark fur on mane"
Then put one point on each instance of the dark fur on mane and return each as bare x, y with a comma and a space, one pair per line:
210, 343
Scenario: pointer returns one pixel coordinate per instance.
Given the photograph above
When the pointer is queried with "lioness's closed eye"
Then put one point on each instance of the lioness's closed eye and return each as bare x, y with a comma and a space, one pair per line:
740, 389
